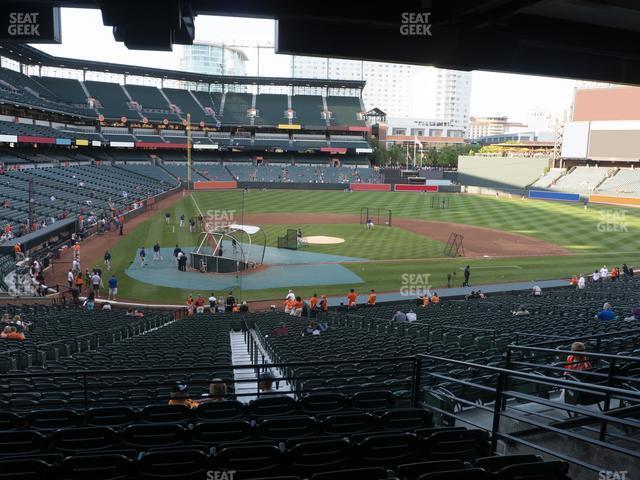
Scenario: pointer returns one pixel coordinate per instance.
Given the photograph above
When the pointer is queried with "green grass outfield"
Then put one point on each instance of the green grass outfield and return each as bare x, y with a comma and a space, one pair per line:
598, 235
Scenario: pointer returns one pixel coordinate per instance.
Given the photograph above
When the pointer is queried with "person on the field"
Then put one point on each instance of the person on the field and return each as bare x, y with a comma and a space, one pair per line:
167, 218
113, 287
96, 282
192, 225
156, 252
369, 224
182, 220
176, 251
467, 275
107, 260
143, 256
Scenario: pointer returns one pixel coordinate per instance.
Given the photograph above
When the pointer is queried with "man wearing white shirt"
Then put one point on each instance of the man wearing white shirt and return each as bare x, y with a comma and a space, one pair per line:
411, 316
537, 291
291, 296
581, 282
604, 273
70, 278
595, 276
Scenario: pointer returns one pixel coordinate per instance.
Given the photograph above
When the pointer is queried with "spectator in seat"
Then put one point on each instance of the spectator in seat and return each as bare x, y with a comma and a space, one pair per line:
606, 313
399, 317
435, 298
90, 302
180, 396
635, 314
581, 282
281, 330
265, 385
244, 307
10, 333
411, 316
576, 361
520, 311
217, 391
536, 291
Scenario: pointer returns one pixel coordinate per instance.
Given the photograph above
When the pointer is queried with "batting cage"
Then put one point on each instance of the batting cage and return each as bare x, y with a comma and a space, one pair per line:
439, 201
289, 240
379, 216
454, 247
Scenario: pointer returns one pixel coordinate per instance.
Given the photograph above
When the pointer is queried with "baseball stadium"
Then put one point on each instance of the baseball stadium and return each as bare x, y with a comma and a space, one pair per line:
214, 276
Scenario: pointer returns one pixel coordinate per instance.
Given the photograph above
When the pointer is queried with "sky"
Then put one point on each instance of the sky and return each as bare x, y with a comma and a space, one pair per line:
85, 37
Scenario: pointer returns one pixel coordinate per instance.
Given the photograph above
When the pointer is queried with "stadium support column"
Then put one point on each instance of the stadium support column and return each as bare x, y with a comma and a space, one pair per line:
30, 205
189, 184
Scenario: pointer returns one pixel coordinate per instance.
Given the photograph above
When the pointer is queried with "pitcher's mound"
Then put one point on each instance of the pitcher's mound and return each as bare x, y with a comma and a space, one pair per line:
322, 240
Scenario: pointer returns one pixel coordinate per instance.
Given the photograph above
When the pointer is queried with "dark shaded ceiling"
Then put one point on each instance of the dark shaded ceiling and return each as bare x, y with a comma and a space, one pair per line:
584, 39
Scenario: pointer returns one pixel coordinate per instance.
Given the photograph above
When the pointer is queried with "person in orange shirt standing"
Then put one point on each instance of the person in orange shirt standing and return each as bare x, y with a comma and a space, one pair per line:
574, 280
352, 298
296, 311
313, 306
371, 301
425, 300
435, 298
288, 305
76, 250
17, 250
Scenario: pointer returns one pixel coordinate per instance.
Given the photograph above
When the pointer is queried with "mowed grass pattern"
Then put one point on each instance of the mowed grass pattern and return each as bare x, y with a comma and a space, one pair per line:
597, 235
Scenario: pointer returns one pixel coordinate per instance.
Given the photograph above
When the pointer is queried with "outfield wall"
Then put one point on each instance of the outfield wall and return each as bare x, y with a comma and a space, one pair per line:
612, 200
555, 196
292, 186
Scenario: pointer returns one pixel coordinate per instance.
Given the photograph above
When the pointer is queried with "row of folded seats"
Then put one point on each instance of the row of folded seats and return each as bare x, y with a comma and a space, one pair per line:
356, 408
443, 455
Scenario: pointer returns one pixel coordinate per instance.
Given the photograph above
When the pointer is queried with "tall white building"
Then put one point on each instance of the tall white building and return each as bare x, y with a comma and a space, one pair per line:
405, 91
213, 58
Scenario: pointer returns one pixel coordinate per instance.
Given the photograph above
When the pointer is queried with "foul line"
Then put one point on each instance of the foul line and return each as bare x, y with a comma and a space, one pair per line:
196, 203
